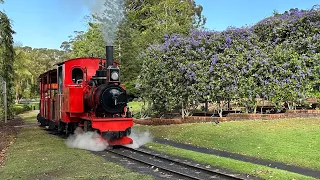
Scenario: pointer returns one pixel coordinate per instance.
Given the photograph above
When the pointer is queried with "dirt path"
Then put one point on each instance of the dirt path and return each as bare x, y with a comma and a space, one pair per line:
8, 132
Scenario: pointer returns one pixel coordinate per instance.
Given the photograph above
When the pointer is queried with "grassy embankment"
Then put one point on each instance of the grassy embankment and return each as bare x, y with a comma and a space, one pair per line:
38, 155
293, 141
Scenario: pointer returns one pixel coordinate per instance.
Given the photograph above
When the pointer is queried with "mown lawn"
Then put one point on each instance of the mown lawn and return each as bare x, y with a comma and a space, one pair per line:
30, 117
234, 165
293, 141
38, 155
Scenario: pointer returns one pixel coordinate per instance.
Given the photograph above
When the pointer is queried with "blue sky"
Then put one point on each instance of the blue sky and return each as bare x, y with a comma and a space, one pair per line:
47, 23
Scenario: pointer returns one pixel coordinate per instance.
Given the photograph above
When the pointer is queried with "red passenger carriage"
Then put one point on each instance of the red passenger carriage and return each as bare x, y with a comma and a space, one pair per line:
86, 92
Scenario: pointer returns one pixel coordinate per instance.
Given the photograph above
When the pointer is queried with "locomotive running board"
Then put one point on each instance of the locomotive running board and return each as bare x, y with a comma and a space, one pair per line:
113, 125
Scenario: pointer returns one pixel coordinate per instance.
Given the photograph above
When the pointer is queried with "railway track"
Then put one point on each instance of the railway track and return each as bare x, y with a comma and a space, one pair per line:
176, 167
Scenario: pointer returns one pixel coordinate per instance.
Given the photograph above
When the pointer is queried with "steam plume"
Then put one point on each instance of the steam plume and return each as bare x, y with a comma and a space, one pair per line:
139, 139
86, 140
109, 13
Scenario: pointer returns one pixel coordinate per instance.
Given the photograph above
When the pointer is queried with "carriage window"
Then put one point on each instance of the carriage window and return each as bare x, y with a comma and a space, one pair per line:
77, 75
60, 79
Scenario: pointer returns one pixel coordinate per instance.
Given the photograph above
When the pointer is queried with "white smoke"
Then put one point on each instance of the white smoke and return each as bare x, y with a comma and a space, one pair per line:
86, 140
95, 6
139, 139
109, 13
91, 140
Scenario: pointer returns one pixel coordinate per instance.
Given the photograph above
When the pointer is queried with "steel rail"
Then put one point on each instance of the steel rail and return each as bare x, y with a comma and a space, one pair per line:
209, 171
151, 164
186, 164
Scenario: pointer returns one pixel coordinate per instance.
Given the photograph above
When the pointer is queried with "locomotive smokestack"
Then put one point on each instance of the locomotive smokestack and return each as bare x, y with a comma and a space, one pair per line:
109, 54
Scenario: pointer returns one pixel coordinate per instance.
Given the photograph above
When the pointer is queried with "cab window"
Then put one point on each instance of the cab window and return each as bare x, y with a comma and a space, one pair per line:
77, 75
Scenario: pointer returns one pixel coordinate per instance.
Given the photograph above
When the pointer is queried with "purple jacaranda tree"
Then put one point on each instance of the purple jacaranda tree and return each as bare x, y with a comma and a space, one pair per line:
276, 59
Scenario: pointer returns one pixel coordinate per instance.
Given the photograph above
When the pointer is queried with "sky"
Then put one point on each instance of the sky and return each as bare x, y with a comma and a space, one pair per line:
47, 23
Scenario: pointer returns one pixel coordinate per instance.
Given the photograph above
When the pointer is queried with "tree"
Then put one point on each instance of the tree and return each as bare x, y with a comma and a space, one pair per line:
7, 58
281, 66
23, 75
90, 43
85, 44
29, 64
145, 23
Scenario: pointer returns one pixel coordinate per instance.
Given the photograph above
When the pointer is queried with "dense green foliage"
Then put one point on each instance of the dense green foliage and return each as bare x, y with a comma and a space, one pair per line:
276, 59
6, 62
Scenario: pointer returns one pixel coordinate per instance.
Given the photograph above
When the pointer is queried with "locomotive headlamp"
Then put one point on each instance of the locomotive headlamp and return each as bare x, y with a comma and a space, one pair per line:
114, 75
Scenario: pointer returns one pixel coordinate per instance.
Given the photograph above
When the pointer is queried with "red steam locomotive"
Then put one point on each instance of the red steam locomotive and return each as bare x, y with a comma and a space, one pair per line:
86, 93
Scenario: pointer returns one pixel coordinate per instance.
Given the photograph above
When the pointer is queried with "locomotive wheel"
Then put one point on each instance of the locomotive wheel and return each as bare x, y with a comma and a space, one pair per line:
86, 126
61, 127
52, 125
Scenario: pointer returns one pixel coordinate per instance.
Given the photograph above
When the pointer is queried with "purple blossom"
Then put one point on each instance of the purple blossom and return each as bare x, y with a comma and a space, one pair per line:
228, 39
214, 60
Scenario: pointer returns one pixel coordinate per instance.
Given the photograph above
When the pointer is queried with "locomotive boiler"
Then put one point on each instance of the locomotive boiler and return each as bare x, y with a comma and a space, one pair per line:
86, 93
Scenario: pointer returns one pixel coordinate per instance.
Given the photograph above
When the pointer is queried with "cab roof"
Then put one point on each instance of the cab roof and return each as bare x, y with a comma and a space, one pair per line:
91, 58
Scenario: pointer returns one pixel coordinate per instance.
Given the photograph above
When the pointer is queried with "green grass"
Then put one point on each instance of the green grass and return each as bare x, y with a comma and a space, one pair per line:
30, 117
38, 155
235, 165
293, 141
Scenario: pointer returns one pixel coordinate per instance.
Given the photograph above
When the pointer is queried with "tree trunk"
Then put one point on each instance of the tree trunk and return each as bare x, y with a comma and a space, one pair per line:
247, 108
206, 108
182, 110
220, 109
17, 101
